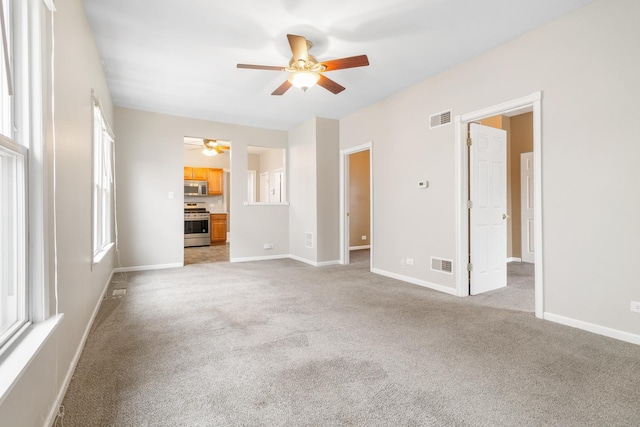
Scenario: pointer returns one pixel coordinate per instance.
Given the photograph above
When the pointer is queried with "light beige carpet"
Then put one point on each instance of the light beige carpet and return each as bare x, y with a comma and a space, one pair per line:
280, 343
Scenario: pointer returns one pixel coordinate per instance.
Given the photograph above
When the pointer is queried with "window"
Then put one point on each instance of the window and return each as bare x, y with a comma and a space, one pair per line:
13, 196
13, 308
266, 182
102, 184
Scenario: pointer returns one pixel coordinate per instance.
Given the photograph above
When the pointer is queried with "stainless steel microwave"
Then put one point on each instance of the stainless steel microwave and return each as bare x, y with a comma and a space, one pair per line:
195, 188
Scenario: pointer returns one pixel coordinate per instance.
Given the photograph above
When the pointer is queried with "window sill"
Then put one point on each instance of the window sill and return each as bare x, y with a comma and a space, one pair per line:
98, 256
19, 355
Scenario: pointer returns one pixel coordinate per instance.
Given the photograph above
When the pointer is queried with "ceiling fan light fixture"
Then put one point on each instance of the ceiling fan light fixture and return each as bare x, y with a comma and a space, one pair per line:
209, 152
210, 147
304, 79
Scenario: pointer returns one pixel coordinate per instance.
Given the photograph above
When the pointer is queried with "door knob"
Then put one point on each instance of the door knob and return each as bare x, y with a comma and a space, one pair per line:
505, 216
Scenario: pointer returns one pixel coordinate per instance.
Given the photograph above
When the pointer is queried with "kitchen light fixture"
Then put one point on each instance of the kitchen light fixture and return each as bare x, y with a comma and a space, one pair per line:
304, 79
210, 147
209, 152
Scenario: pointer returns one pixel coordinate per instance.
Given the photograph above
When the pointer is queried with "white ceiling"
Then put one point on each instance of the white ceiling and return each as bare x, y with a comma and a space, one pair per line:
179, 57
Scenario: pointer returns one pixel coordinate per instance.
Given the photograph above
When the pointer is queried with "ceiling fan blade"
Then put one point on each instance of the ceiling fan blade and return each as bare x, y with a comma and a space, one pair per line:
298, 47
342, 63
282, 88
261, 67
330, 85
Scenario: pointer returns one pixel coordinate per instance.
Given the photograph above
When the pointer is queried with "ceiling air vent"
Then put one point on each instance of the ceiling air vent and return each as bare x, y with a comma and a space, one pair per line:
443, 265
440, 119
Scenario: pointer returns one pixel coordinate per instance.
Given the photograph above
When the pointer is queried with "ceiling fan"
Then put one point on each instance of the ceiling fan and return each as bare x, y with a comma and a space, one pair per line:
210, 147
306, 70
214, 147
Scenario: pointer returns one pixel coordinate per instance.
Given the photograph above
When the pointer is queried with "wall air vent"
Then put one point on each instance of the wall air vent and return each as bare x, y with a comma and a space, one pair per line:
440, 119
442, 265
308, 239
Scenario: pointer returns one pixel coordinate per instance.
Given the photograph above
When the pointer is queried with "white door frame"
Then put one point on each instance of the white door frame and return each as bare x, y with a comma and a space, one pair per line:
278, 175
533, 102
251, 186
344, 201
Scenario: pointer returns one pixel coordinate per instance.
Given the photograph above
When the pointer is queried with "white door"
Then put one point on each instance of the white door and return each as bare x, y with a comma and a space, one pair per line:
488, 214
526, 205
277, 191
264, 187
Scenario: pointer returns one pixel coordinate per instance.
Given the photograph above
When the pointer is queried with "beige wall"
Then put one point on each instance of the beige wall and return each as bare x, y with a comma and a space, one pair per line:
149, 164
588, 154
328, 189
314, 190
303, 209
359, 198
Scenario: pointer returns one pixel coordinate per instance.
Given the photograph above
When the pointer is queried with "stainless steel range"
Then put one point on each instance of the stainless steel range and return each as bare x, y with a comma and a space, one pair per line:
196, 224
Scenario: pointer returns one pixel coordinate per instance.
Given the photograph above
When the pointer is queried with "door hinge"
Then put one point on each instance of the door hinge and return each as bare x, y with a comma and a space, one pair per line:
469, 142
469, 204
469, 267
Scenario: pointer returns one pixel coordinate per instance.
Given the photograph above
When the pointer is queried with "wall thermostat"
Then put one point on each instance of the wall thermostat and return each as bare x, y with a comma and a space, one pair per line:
423, 184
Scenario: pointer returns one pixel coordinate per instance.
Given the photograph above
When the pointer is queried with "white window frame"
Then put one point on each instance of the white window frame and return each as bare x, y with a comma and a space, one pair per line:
30, 29
14, 303
102, 195
6, 70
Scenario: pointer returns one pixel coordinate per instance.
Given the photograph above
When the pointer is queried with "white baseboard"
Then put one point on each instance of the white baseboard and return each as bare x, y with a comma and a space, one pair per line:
596, 329
314, 263
357, 248
325, 263
259, 258
412, 280
76, 356
514, 259
147, 267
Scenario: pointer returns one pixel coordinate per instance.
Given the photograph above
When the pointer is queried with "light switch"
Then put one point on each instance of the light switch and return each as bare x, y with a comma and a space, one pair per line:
170, 195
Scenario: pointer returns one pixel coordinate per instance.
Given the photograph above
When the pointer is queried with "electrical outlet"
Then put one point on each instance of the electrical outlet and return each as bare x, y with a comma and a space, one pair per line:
268, 245
402, 263
409, 261
364, 237
635, 306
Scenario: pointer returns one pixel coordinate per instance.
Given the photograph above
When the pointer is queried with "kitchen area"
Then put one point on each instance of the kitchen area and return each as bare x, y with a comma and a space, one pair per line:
206, 200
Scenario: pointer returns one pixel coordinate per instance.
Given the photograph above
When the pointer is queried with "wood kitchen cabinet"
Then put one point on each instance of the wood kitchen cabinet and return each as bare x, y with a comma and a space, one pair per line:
214, 178
200, 174
218, 229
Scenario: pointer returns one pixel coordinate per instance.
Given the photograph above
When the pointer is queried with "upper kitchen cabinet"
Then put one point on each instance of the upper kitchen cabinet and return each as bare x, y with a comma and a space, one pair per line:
214, 179
200, 174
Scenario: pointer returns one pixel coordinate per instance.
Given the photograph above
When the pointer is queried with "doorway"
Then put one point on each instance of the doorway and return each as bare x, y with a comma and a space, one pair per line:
207, 165
356, 202
505, 280
464, 245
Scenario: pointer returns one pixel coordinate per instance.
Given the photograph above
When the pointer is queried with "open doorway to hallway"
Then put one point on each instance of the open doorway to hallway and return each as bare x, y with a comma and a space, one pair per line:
519, 294
356, 223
